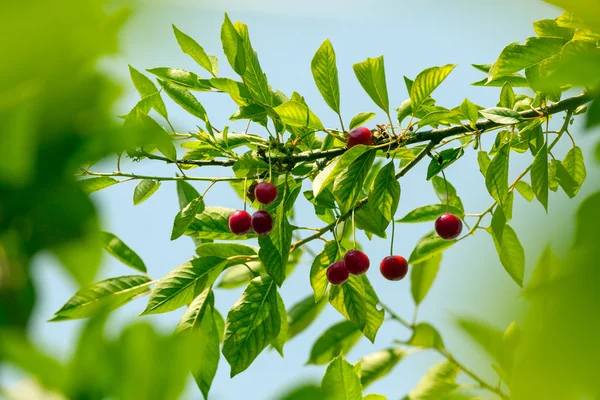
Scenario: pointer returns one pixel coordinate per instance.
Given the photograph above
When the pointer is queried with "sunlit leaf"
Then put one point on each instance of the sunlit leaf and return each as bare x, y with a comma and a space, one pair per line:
338, 339
426, 82
439, 381
512, 255
371, 75
539, 176
92, 185
341, 380
194, 50
422, 276
184, 218
361, 118
443, 160
122, 252
429, 213
144, 190
325, 74
428, 247
318, 277
377, 365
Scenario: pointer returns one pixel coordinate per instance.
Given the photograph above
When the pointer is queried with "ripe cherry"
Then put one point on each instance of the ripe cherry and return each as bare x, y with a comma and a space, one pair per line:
265, 192
240, 222
262, 222
337, 273
360, 135
356, 262
448, 226
393, 268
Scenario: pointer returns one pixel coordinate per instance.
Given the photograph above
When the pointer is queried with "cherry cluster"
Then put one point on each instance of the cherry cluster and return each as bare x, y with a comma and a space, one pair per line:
393, 268
261, 221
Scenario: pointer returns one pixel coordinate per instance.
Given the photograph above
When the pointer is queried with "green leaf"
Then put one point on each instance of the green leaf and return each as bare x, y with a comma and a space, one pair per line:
156, 134
373, 396
185, 193
426, 336
404, 110
436, 117
483, 159
384, 198
194, 50
348, 184
213, 223
249, 165
109, 294
302, 314
512, 255
546, 269
341, 381
539, 176
496, 177
487, 337
516, 57
438, 382
181, 77
282, 337
375, 315
297, 114
498, 223
360, 119
446, 193
422, 276
504, 116
325, 74
507, 96
338, 339
236, 90
253, 112
184, 218
565, 180
240, 275
225, 250
144, 190
470, 111
233, 46
180, 286
185, 99
92, 185
252, 323
318, 277
426, 82
371, 75
428, 247
326, 177
429, 213
525, 190
377, 365
444, 159
199, 322
254, 78
549, 28
575, 166
350, 300
122, 252
145, 88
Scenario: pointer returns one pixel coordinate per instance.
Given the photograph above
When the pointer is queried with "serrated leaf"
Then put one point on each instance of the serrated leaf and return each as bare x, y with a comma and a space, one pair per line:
428, 247
383, 198
371, 75
516, 57
302, 314
525, 190
426, 82
338, 339
92, 185
213, 223
436, 117
341, 381
122, 252
426, 336
155, 134
377, 365
539, 176
429, 213
565, 180
252, 323
483, 159
550, 28
439, 381
404, 110
500, 115
180, 286
444, 159
185, 193
470, 111
236, 90
350, 300
282, 337
145, 88
225, 250
107, 294
422, 276
447, 193
297, 114
249, 165
375, 316
254, 78
326, 177
182, 78
512, 255
318, 277
575, 166
185, 99
507, 96
190, 47
233, 46
496, 177
144, 190
348, 184
184, 218
360, 119
325, 74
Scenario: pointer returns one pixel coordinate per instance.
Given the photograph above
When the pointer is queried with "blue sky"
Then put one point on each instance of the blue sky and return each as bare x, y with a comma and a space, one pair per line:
412, 36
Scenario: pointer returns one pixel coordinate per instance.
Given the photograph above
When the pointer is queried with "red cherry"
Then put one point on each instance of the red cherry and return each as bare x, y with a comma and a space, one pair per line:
265, 192
262, 222
337, 273
448, 226
356, 262
360, 135
239, 222
393, 268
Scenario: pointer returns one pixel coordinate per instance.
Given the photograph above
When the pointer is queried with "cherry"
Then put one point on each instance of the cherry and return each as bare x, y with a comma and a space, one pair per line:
262, 222
265, 192
337, 273
393, 268
448, 226
239, 222
356, 262
360, 135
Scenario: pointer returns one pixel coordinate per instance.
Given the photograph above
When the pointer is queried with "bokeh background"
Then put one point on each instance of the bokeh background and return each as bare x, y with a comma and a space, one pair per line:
412, 36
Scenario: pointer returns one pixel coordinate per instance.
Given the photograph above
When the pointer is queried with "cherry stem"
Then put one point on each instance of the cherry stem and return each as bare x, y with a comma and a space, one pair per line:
245, 192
